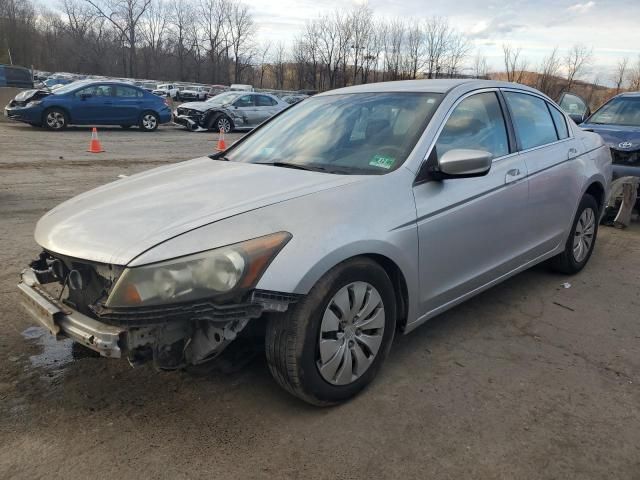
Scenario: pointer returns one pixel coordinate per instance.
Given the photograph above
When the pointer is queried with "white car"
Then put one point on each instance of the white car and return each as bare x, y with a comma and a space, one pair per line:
193, 92
167, 90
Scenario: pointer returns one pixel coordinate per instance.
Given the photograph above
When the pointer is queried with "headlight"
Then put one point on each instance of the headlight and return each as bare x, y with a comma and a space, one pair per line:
222, 272
33, 103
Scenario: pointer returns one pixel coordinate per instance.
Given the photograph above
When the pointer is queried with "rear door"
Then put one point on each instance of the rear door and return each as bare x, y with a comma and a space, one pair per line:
265, 108
126, 105
471, 231
550, 152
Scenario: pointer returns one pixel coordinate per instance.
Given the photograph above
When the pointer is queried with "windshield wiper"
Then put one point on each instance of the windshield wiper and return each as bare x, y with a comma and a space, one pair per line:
297, 166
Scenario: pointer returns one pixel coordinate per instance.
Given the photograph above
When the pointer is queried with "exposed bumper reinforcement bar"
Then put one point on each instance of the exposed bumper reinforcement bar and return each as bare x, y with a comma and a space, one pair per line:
60, 320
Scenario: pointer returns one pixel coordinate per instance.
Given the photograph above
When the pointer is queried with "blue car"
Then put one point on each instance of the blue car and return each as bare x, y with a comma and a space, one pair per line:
90, 103
617, 122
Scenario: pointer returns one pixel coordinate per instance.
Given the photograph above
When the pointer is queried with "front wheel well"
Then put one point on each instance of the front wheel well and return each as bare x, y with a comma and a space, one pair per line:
399, 286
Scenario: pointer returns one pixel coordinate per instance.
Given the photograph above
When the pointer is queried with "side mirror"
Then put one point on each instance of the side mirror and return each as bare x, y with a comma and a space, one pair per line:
578, 118
461, 162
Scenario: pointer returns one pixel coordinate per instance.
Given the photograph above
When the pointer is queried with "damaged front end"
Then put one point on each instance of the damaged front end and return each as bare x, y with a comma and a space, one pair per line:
94, 305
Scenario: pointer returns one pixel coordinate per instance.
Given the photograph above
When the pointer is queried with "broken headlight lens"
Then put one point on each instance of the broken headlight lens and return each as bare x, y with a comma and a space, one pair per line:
223, 271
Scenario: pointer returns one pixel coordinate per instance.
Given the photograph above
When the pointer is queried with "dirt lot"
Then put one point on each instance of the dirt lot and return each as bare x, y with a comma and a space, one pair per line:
529, 380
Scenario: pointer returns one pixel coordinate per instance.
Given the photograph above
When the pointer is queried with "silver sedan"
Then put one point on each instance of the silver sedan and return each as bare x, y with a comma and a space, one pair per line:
354, 215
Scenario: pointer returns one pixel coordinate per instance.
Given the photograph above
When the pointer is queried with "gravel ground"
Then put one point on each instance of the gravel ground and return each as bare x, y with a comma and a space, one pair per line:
528, 380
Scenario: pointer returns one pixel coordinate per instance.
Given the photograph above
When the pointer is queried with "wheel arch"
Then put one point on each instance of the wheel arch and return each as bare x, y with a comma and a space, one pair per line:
212, 115
597, 191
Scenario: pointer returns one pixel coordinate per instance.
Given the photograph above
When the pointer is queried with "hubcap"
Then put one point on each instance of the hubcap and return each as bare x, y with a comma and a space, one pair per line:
583, 238
149, 122
350, 333
55, 120
224, 125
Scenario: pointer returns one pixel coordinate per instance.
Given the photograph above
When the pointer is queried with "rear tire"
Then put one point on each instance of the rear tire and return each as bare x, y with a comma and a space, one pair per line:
582, 239
324, 364
149, 121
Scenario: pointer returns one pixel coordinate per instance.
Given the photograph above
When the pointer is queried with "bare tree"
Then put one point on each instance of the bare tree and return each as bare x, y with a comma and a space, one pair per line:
415, 49
620, 74
634, 76
548, 73
181, 17
515, 65
361, 21
480, 67
241, 34
458, 47
154, 29
212, 17
279, 64
576, 62
125, 16
437, 33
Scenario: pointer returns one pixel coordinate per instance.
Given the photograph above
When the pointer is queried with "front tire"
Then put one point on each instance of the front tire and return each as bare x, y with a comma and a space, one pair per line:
149, 122
55, 119
330, 345
582, 238
221, 122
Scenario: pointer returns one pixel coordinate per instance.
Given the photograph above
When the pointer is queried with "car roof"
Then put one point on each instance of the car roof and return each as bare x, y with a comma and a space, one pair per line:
427, 86
629, 94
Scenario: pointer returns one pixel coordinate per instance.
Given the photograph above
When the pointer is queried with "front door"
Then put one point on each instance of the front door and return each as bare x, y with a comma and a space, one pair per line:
471, 231
93, 106
245, 111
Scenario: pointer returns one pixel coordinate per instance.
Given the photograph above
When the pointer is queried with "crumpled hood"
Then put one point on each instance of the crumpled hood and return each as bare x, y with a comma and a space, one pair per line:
29, 94
118, 221
201, 106
617, 136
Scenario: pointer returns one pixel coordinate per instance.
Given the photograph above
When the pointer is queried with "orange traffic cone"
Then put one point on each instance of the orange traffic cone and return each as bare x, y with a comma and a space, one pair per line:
94, 145
221, 143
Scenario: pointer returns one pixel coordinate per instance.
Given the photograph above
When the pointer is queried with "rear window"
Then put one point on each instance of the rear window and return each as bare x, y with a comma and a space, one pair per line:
531, 119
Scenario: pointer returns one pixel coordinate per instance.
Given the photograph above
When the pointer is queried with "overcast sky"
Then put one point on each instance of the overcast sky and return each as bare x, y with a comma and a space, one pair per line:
611, 27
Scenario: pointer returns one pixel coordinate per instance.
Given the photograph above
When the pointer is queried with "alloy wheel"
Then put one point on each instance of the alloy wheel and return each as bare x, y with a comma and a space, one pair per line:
583, 237
55, 120
149, 121
351, 333
224, 124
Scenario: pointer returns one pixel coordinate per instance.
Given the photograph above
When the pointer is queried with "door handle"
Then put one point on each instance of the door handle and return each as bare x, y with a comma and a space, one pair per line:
572, 153
512, 175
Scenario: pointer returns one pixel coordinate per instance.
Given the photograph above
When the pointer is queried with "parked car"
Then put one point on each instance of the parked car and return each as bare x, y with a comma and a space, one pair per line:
167, 90
12, 76
52, 83
217, 90
360, 213
193, 92
618, 122
229, 111
293, 99
90, 103
238, 87
148, 86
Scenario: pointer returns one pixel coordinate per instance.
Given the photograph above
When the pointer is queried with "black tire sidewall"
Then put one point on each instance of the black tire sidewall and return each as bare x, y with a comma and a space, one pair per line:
220, 117
587, 202
311, 380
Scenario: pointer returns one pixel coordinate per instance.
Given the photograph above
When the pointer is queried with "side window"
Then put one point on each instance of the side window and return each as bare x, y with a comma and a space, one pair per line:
95, 91
531, 119
477, 123
264, 101
126, 92
244, 101
559, 121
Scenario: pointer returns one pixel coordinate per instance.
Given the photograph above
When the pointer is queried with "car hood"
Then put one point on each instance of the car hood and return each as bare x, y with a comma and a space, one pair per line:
118, 221
201, 106
29, 94
619, 137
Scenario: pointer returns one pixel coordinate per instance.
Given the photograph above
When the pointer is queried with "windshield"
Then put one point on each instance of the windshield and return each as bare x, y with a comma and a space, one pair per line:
360, 133
619, 111
224, 98
67, 88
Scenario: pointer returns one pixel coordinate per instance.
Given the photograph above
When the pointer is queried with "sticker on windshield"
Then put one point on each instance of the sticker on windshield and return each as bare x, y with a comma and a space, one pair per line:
382, 161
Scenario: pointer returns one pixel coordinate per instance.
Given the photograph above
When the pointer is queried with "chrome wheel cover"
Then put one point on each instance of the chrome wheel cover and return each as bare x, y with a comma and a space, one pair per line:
55, 120
149, 121
583, 236
350, 333
224, 124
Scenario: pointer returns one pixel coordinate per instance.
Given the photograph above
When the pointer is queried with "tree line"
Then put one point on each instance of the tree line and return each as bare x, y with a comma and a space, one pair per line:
217, 42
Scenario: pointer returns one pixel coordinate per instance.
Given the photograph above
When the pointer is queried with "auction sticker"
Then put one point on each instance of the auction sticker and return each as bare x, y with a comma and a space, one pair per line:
382, 161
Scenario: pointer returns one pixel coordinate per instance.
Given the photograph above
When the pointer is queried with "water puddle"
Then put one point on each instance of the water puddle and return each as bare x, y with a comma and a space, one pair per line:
55, 356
